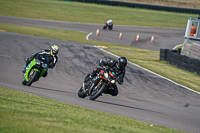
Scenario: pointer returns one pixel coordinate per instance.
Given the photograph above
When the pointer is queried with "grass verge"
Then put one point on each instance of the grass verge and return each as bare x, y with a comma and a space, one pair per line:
92, 13
26, 113
145, 58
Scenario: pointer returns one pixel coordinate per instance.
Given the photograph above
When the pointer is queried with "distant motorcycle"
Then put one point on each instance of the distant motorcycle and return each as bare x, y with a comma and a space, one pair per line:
35, 69
106, 26
99, 84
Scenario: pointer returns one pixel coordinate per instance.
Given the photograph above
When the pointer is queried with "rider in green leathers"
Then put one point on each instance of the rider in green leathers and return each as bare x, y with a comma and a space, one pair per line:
52, 54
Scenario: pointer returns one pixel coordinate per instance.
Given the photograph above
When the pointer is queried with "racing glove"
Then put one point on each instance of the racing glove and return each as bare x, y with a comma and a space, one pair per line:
101, 63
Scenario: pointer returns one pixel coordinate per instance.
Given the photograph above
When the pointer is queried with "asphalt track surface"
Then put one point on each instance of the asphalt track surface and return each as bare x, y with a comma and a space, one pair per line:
143, 96
163, 37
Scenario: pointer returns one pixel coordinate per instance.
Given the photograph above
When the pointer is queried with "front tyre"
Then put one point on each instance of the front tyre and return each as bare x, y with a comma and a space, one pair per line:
81, 93
104, 27
32, 77
24, 82
110, 27
97, 91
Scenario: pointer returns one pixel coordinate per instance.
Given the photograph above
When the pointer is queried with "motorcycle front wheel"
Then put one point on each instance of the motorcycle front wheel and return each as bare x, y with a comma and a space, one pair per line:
97, 91
110, 27
104, 27
24, 82
32, 77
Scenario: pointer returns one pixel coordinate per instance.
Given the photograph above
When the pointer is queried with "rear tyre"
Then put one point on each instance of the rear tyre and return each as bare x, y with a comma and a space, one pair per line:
104, 27
81, 93
32, 77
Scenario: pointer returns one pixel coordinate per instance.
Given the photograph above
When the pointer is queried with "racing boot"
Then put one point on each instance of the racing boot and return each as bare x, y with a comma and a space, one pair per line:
24, 69
28, 60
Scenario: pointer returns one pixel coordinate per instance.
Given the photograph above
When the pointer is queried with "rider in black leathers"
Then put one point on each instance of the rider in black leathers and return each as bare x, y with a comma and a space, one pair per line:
119, 67
52, 54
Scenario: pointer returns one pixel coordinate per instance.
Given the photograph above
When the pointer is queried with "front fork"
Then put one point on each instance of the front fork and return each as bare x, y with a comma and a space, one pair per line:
96, 83
87, 76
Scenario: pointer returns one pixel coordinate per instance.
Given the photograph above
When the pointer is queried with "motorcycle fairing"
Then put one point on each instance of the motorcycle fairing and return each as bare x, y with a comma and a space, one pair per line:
28, 69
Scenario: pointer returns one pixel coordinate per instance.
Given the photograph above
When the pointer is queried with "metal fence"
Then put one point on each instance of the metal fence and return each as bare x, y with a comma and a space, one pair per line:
146, 6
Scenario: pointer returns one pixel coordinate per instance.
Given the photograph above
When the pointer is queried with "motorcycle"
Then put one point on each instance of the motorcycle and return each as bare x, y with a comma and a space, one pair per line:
99, 84
106, 26
35, 69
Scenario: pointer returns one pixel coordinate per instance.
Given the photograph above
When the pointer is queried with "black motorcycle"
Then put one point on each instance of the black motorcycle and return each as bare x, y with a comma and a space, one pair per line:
106, 26
99, 84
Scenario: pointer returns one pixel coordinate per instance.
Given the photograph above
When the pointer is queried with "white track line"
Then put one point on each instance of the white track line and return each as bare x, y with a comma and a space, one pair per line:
177, 46
87, 37
152, 72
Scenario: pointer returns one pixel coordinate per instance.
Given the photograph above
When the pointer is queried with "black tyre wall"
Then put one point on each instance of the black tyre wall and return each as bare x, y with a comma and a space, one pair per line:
163, 54
173, 57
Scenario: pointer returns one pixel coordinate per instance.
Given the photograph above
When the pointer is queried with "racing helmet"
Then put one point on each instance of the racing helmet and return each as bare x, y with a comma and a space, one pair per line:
54, 49
110, 21
121, 62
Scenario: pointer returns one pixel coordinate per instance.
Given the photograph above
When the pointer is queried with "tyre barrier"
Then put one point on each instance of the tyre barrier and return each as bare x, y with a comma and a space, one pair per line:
145, 6
163, 54
173, 57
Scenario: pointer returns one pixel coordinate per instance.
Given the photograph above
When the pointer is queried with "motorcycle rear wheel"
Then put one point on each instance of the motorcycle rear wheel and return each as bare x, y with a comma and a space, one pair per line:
95, 94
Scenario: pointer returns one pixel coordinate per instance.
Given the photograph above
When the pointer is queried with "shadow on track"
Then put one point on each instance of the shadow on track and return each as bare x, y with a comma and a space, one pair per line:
127, 106
42, 88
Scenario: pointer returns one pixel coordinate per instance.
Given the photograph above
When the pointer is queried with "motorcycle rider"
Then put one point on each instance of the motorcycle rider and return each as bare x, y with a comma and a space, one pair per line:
119, 67
52, 54
109, 22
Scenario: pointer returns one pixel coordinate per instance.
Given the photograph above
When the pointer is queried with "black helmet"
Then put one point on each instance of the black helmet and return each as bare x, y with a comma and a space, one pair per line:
121, 62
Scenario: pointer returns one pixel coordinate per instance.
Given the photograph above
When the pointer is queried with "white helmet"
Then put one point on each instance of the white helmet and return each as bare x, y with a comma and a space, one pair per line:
54, 50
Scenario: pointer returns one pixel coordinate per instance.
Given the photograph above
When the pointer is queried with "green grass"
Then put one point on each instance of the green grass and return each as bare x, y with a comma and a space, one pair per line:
92, 13
25, 113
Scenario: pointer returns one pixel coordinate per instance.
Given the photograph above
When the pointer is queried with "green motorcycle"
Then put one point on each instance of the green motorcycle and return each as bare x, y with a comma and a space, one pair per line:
35, 69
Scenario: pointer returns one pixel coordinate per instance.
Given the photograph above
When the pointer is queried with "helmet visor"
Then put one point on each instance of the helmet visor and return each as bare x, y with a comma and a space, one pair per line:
55, 52
121, 65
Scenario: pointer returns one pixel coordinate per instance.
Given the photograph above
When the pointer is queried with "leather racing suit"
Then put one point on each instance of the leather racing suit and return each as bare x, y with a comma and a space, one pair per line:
52, 59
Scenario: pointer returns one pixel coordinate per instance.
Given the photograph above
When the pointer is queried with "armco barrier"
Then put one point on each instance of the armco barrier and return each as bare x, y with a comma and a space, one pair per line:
173, 57
146, 6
